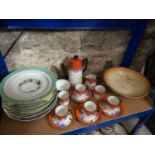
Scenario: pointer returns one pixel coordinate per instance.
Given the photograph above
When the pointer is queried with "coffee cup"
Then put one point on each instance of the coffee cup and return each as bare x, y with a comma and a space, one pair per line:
90, 107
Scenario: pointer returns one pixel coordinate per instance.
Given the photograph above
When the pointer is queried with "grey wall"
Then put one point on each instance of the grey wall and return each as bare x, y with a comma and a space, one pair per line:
7, 38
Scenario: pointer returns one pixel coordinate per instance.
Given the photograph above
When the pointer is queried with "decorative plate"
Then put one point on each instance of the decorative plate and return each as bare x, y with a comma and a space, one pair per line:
126, 82
62, 123
20, 111
28, 85
32, 118
88, 119
29, 117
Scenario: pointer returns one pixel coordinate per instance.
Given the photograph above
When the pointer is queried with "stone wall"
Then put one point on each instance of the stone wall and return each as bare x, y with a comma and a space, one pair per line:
7, 38
49, 48
44, 49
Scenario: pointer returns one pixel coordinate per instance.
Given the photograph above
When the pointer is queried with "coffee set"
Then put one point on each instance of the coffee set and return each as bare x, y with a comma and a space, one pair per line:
31, 93
83, 102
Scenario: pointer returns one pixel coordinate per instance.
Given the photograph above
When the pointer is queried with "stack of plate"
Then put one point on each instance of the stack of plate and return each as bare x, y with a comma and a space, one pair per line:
28, 94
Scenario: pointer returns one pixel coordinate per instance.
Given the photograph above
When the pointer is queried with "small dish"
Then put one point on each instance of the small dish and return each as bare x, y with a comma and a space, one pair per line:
62, 123
86, 119
63, 98
63, 85
90, 107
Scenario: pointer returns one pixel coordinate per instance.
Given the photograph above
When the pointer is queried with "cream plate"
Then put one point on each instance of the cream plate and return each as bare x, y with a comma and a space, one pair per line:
28, 84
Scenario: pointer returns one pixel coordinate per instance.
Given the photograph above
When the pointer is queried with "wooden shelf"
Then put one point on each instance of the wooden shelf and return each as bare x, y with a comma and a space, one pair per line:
42, 126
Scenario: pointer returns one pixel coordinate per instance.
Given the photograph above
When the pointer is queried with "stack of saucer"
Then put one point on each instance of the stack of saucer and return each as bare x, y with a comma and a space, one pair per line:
28, 94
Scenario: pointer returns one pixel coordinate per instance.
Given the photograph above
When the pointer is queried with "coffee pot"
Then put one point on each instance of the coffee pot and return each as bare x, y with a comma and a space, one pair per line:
76, 67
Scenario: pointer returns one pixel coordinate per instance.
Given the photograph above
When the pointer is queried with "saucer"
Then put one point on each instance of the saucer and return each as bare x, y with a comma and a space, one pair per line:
62, 123
86, 119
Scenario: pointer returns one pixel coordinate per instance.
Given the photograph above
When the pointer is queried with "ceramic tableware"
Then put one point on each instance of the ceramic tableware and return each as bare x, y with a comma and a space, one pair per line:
116, 129
99, 91
61, 111
76, 68
62, 123
28, 93
33, 116
113, 100
63, 85
111, 110
29, 84
90, 107
88, 119
127, 82
63, 98
80, 93
90, 81
26, 112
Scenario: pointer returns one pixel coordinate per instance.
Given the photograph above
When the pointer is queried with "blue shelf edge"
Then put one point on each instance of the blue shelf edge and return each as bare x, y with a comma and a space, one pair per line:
70, 24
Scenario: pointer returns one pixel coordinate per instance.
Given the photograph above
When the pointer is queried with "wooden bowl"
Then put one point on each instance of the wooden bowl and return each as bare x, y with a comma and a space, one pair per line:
127, 82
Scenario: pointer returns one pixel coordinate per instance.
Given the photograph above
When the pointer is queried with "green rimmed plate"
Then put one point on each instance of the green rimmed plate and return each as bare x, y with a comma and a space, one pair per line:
27, 110
34, 116
28, 85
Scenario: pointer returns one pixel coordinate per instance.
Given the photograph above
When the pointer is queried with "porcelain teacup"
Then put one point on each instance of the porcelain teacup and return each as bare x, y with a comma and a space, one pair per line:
61, 111
113, 100
90, 107
80, 93
90, 81
63, 97
99, 92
